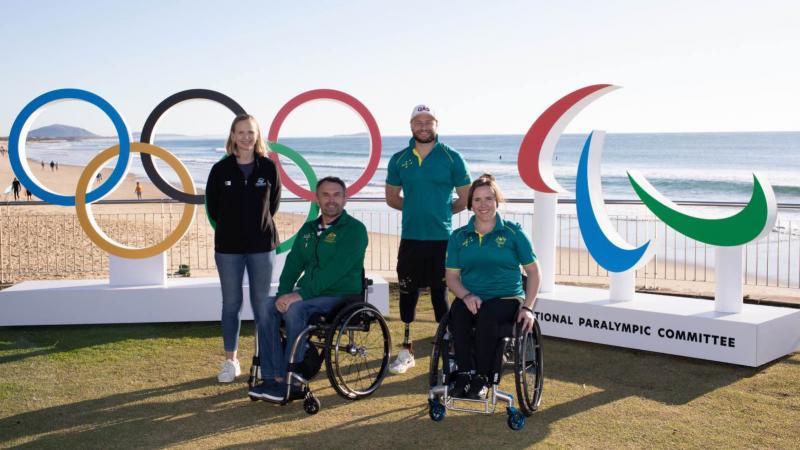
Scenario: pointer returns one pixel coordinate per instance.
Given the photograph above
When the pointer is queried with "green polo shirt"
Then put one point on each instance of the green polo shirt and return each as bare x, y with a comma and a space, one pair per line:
489, 264
427, 189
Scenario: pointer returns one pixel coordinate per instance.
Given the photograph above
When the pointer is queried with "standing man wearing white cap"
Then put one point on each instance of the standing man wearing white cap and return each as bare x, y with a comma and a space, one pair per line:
426, 172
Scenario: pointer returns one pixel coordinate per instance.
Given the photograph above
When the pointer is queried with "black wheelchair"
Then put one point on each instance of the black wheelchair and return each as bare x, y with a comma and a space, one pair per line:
523, 352
354, 342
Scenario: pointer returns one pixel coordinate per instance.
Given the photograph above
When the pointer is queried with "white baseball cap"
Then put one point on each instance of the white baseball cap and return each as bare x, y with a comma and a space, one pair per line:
423, 109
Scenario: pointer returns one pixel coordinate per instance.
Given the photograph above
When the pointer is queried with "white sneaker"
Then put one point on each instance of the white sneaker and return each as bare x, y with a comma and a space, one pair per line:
403, 362
230, 370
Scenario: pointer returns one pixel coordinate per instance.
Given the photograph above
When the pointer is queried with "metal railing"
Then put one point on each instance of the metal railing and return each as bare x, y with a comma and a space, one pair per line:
53, 246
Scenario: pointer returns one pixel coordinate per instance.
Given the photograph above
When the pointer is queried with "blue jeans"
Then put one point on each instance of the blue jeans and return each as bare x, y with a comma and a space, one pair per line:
231, 274
274, 359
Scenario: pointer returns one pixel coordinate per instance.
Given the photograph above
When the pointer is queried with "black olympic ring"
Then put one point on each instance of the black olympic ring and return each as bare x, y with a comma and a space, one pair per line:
150, 124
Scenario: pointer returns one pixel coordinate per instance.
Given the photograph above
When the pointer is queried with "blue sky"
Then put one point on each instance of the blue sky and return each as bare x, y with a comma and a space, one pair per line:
683, 66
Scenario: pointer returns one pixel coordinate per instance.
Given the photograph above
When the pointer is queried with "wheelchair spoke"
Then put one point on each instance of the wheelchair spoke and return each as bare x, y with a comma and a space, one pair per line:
361, 353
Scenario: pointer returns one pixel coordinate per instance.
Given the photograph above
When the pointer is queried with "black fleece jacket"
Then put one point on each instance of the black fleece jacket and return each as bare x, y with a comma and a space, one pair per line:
243, 209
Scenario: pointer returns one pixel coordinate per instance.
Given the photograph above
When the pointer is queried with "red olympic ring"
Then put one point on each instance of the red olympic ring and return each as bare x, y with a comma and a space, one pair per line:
359, 108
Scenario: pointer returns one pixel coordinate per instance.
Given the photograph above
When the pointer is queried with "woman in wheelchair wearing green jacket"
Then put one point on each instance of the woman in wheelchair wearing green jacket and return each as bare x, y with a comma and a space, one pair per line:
483, 261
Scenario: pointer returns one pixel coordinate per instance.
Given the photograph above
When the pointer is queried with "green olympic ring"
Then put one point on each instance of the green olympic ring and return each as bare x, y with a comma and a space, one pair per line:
311, 177
738, 229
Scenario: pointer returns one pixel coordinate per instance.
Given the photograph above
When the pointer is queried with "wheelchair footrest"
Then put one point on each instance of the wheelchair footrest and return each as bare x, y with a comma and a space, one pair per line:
482, 406
470, 405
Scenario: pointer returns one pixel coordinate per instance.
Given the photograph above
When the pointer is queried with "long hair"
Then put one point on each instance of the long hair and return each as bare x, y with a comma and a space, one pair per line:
486, 179
230, 146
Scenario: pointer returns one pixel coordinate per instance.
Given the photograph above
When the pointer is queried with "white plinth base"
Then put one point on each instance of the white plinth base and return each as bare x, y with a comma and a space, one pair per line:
137, 272
671, 324
74, 302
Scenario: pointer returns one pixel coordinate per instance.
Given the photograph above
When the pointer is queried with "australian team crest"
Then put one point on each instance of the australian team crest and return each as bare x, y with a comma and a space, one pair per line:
500, 241
330, 238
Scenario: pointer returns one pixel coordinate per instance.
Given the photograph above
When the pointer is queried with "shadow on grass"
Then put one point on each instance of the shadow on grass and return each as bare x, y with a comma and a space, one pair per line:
201, 409
141, 418
621, 372
397, 417
156, 418
28, 342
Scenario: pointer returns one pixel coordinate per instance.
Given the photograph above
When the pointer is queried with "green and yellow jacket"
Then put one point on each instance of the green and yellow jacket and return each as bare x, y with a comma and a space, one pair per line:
330, 262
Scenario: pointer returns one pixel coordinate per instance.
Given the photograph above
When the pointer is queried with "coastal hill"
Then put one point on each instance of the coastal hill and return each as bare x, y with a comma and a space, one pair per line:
57, 131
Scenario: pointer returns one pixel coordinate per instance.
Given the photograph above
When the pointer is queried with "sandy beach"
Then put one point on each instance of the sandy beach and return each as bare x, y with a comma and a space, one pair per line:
64, 180
62, 251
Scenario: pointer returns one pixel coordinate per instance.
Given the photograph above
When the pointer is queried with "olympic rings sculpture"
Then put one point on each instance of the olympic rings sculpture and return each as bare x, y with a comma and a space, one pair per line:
82, 199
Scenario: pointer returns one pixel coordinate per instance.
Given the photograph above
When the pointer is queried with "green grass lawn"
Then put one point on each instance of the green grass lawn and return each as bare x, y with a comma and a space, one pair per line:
155, 386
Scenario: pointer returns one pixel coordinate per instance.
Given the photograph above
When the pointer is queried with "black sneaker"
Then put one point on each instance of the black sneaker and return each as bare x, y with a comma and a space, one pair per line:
268, 390
461, 385
478, 387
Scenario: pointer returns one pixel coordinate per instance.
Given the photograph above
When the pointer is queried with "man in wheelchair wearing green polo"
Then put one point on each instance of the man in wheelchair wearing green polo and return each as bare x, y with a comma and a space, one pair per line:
329, 254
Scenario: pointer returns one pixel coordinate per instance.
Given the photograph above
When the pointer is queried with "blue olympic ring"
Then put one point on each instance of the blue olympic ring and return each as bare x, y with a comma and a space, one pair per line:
19, 133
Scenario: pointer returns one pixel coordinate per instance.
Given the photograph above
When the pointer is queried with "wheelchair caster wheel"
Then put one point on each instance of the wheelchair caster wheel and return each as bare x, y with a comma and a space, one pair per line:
436, 410
253, 399
516, 420
311, 404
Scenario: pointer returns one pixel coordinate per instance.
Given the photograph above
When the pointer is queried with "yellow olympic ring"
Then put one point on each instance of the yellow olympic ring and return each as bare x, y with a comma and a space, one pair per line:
96, 235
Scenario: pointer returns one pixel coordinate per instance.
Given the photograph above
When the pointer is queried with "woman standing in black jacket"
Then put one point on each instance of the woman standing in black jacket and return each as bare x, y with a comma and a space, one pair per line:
242, 195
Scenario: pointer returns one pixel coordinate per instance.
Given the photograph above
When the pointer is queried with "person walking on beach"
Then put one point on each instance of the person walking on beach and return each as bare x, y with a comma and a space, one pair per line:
42, 164
243, 193
52, 166
426, 172
15, 185
28, 195
99, 177
138, 189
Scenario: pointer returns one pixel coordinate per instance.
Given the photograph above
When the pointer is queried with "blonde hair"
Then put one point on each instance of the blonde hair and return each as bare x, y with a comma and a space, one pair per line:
486, 179
230, 146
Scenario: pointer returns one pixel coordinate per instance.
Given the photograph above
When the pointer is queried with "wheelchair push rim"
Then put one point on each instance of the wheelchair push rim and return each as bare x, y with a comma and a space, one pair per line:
439, 365
528, 370
357, 354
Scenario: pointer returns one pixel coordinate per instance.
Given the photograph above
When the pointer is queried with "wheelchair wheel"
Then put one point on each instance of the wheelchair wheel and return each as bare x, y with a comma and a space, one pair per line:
528, 370
311, 405
436, 410
516, 420
357, 351
441, 355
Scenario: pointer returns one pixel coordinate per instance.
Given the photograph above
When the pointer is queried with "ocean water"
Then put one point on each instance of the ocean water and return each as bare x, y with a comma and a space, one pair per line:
714, 167
683, 166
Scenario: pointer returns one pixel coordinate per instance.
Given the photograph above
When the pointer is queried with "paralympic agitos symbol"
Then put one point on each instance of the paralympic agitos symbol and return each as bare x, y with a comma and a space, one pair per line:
188, 195
605, 245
